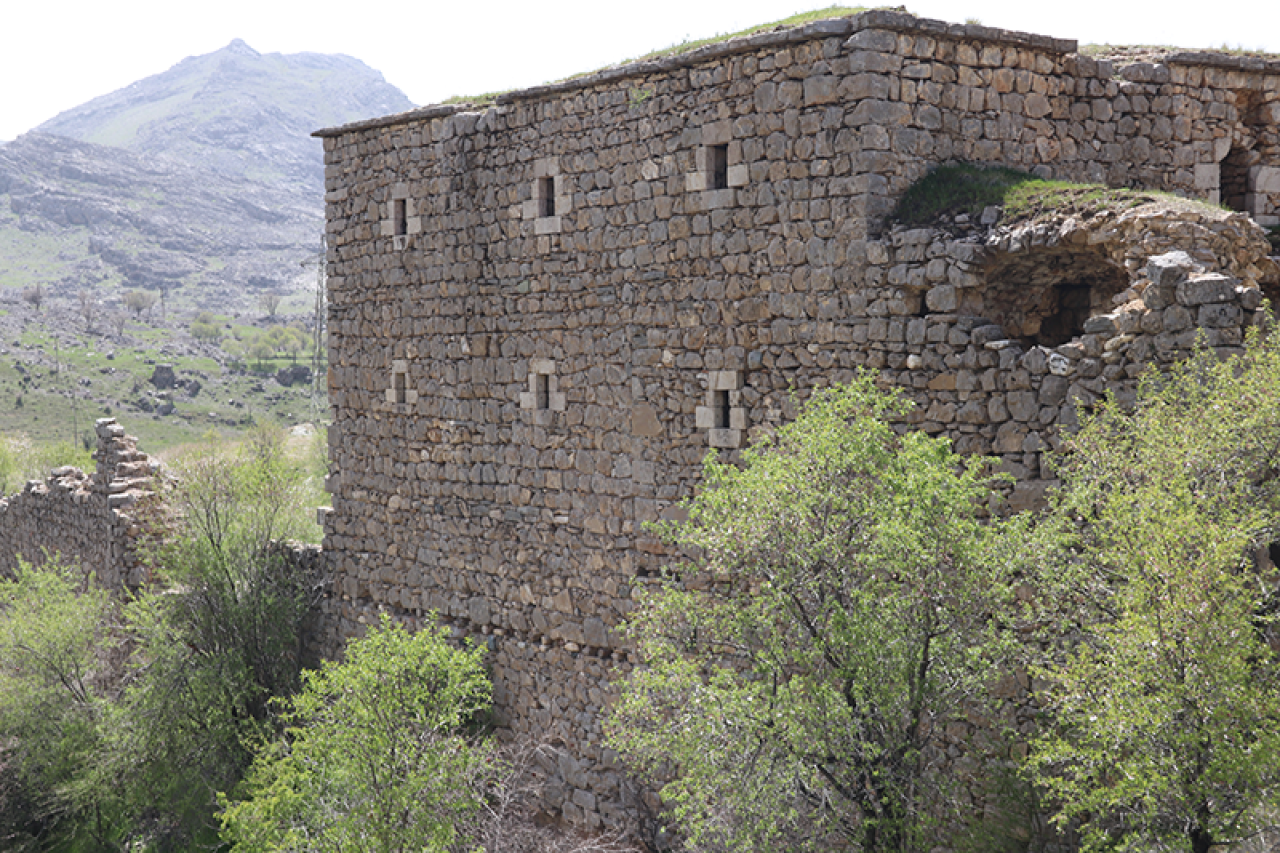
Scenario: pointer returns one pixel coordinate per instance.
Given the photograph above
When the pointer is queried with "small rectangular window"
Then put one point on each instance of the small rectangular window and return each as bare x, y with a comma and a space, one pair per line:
399, 386
401, 217
718, 167
546, 196
542, 391
720, 402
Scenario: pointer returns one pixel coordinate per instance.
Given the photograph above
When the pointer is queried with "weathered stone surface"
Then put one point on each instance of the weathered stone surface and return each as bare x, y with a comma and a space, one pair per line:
721, 248
163, 377
95, 520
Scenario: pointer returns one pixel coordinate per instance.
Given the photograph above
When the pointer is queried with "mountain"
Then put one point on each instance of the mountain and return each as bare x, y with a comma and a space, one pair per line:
202, 180
82, 215
237, 112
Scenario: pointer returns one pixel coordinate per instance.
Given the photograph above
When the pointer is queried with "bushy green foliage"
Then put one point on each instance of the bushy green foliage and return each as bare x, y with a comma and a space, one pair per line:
138, 301
135, 755
220, 641
205, 327
378, 756
55, 649
1163, 718
261, 345
836, 618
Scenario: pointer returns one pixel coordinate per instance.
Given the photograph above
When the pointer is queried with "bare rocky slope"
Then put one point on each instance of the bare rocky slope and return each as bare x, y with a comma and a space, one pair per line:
202, 181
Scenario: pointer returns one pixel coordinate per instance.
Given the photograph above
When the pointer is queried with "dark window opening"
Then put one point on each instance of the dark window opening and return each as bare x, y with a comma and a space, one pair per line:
546, 196
401, 217
1067, 309
541, 391
718, 166
399, 386
720, 403
1233, 180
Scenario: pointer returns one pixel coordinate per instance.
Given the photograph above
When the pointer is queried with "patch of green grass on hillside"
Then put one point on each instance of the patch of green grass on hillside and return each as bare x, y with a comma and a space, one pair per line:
123, 128
28, 258
693, 44
968, 189
58, 397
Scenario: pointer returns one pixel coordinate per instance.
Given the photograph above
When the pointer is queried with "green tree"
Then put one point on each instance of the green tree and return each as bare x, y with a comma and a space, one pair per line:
205, 327
295, 342
378, 757
138, 301
836, 617
1164, 714
219, 636
269, 302
55, 664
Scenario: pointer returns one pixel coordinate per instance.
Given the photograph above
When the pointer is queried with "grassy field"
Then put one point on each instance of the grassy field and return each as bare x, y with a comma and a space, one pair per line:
55, 384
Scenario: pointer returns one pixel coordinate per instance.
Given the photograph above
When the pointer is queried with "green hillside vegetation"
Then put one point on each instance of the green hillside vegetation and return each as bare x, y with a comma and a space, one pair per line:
846, 600
54, 385
35, 257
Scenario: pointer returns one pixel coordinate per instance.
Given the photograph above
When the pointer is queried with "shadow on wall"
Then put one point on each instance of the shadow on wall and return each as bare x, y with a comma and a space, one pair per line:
1044, 297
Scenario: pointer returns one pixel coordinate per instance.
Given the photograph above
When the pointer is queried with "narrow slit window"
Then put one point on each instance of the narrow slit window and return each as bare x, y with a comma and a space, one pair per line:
718, 166
399, 386
401, 217
546, 197
720, 402
542, 391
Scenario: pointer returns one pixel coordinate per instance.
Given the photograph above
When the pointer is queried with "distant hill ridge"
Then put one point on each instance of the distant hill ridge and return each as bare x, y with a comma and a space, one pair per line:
236, 111
203, 179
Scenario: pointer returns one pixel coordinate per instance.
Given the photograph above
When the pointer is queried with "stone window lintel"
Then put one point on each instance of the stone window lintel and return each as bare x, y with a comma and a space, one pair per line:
546, 172
555, 400
399, 391
724, 391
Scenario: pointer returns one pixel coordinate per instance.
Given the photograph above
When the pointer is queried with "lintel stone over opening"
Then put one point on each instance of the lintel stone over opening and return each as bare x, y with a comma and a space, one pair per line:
722, 414
400, 217
543, 399
718, 167
399, 392
550, 198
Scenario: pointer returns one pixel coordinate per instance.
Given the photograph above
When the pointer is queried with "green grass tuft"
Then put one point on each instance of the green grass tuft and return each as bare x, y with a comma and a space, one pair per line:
783, 24
686, 46
968, 189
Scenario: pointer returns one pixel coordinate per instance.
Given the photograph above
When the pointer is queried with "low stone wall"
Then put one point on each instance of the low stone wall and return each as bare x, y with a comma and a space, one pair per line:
93, 519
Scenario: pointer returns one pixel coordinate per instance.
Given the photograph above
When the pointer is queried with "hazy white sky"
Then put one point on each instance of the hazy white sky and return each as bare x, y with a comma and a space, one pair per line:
57, 55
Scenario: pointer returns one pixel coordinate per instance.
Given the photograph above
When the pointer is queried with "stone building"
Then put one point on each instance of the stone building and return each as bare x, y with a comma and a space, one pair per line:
545, 311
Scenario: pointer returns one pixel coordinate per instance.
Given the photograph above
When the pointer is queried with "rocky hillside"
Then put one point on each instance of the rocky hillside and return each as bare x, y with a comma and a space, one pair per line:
77, 216
202, 181
237, 112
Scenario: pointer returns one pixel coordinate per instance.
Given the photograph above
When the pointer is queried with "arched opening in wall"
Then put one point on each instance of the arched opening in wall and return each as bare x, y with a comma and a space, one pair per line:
1044, 296
1233, 179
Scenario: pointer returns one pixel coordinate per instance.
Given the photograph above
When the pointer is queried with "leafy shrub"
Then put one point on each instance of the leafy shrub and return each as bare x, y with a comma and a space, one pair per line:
380, 756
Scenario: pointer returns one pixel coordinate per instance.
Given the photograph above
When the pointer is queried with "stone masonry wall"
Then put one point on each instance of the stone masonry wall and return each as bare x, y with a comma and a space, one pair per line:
544, 313
92, 519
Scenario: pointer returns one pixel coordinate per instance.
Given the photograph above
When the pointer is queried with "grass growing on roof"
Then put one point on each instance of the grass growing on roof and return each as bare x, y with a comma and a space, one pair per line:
686, 46
967, 189
783, 24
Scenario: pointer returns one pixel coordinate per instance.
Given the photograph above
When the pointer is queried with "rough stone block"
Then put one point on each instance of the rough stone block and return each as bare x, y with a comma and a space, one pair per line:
1206, 289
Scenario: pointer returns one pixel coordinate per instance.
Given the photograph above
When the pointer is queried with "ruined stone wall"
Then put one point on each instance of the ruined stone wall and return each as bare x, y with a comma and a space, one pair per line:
91, 519
544, 314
